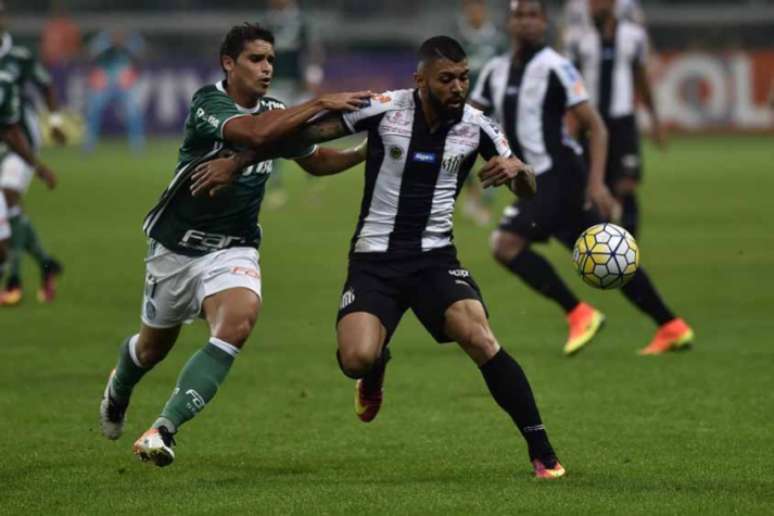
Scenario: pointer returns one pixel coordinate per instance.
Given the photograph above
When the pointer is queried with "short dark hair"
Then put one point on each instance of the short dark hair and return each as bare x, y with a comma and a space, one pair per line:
541, 3
441, 47
235, 39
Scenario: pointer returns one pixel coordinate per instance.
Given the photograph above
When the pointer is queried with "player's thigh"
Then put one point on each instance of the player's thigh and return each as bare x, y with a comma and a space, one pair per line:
436, 289
466, 323
371, 307
360, 337
153, 344
231, 314
15, 177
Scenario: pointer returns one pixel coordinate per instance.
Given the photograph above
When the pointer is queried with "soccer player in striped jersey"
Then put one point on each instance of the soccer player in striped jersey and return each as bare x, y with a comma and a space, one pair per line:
203, 258
422, 144
612, 56
531, 91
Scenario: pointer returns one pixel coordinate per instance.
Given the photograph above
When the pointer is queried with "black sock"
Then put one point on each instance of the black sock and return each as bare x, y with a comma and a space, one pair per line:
511, 390
630, 218
374, 376
641, 292
536, 272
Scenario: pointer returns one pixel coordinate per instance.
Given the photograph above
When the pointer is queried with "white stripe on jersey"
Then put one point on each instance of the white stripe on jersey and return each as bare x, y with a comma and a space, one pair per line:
381, 219
377, 226
583, 46
532, 91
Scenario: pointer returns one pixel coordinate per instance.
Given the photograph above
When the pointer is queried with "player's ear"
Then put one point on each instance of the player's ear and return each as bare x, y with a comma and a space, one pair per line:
227, 62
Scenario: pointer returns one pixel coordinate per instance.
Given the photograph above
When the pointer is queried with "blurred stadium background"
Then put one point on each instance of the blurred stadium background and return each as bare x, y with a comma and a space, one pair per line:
687, 433
713, 62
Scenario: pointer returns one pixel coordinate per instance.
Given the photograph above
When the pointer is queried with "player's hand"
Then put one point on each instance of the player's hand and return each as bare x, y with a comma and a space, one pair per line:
499, 171
599, 195
213, 176
47, 175
348, 101
659, 136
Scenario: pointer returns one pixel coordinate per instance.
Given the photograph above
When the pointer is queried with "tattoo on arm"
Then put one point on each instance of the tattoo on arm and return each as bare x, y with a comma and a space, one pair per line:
327, 128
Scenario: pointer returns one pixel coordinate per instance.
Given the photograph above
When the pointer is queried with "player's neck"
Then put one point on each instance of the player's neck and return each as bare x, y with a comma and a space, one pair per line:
245, 99
606, 27
432, 117
524, 50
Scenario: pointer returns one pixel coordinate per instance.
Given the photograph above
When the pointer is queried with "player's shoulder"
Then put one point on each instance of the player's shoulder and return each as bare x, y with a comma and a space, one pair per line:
498, 61
392, 100
474, 116
631, 30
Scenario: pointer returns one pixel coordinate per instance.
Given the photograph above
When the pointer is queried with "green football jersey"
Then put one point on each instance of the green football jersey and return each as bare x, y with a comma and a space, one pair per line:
196, 226
10, 101
24, 69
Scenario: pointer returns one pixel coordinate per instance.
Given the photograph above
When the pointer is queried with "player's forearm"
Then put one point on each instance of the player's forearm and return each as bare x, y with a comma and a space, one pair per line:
326, 128
14, 138
327, 162
271, 126
597, 134
646, 93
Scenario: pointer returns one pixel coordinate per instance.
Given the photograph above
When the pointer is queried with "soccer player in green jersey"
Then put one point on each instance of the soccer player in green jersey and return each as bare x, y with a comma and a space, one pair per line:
16, 173
203, 258
12, 135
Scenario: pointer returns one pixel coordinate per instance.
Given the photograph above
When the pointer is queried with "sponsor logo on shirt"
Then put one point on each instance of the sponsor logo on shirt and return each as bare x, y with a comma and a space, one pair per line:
425, 157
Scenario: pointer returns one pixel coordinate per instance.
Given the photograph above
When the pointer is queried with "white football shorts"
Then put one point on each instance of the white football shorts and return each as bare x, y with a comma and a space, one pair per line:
15, 173
5, 226
176, 285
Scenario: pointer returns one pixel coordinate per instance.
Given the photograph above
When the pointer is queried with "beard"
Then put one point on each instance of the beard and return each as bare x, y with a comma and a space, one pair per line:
446, 112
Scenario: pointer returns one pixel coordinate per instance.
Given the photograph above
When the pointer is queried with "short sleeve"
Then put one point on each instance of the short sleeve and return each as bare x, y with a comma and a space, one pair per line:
9, 104
572, 82
493, 141
210, 111
482, 90
365, 117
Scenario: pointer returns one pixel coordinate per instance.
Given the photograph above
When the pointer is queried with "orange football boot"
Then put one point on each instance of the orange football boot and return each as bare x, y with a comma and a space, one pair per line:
675, 335
584, 321
548, 469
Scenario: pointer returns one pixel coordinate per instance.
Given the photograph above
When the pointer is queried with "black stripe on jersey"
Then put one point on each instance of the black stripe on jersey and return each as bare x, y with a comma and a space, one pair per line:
606, 67
375, 153
423, 164
553, 110
511, 107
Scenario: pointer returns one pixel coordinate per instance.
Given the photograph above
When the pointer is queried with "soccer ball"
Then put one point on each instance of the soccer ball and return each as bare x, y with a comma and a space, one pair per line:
606, 256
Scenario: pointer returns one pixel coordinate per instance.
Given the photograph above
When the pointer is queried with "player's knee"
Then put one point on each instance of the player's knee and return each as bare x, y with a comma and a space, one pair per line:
150, 354
355, 362
238, 330
479, 342
506, 246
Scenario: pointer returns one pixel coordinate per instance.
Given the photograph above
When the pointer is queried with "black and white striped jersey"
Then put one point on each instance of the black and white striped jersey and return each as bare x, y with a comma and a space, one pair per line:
530, 99
608, 66
413, 175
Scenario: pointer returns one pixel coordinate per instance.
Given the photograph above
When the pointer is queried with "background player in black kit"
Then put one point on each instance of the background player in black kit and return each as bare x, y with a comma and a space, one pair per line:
612, 56
530, 92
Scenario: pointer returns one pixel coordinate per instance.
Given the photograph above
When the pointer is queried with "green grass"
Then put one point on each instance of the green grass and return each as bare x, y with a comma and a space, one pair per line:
685, 433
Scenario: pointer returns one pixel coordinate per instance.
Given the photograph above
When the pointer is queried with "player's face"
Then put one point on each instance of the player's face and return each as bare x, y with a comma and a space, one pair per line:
253, 69
474, 11
527, 23
599, 9
446, 84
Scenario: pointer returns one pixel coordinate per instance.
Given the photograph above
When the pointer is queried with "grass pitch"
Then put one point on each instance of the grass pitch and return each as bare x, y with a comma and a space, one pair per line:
684, 433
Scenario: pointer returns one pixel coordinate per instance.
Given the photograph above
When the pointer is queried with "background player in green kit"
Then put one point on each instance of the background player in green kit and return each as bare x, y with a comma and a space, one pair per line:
203, 258
12, 135
16, 173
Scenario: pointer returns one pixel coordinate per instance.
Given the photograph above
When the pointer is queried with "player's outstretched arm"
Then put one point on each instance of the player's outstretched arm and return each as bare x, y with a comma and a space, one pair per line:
14, 137
267, 128
645, 92
327, 162
211, 176
591, 123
